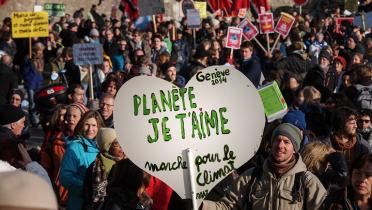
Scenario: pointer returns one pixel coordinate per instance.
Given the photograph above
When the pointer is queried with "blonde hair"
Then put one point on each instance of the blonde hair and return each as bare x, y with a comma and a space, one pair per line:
311, 94
314, 156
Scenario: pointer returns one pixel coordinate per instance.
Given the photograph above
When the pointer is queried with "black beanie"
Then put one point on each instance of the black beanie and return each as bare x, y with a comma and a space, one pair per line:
10, 114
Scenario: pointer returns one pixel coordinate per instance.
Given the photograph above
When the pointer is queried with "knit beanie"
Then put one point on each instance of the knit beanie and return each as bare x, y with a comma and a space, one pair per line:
105, 137
80, 106
10, 114
290, 131
295, 117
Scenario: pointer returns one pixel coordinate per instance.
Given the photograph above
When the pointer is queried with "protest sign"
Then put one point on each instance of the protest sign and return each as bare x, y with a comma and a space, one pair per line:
30, 24
284, 24
218, 115
273, 101
339, 22
88, 54
234, 37
249, 30
266, 21
151, 7
193, 18
364, 20
202, 7
54, 9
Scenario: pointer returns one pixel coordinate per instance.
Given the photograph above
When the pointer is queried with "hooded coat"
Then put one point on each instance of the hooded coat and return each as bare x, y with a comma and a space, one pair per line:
272, 193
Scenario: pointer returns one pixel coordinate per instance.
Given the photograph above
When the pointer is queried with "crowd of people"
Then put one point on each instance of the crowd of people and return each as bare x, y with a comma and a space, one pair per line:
318, 156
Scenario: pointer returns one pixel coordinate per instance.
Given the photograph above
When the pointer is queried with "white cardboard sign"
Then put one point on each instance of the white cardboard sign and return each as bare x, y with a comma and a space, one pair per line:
193, 18
218, 115
87, 54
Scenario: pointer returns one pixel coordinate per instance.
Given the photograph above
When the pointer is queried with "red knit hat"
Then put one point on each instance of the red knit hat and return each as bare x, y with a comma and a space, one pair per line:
341, 60
80, 106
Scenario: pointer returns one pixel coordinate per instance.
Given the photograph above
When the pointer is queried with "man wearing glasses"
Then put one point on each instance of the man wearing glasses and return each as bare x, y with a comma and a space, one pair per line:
106, 109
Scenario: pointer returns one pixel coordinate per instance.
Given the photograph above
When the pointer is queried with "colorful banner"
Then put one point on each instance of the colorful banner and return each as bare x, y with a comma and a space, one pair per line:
273, 101
266, 21
30, 24
57, 10
87, 54
234, 37
249, 30
151, 7
202, 7
156, 124
284, 25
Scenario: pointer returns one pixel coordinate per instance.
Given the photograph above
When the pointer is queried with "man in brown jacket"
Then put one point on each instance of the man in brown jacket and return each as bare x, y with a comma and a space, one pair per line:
283, 182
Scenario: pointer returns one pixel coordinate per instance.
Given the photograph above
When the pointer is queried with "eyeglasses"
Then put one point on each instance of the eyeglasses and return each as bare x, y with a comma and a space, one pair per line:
108, 105
364, 121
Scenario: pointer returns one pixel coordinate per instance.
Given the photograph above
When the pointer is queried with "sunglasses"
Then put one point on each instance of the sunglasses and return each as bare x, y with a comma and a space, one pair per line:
364, 121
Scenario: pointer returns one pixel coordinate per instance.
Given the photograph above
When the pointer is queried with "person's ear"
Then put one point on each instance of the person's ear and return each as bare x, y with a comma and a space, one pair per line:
69, 97
12, 125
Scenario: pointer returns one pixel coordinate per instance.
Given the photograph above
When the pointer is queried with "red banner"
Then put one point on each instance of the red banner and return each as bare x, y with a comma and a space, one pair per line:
340, 20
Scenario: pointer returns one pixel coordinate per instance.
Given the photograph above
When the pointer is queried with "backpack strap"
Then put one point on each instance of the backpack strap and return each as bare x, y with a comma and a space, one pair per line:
257, 172
299, 190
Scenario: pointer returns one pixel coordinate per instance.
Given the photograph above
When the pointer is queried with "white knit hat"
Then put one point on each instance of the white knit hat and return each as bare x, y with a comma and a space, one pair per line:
105, 137
23, 190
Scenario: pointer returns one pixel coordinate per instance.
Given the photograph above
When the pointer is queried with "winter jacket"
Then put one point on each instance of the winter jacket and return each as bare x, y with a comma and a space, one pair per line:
296, 63
272, 193
317, 78
33, 79
122, 199
51, 156
251, 68
361, 147
9, 80
80, 153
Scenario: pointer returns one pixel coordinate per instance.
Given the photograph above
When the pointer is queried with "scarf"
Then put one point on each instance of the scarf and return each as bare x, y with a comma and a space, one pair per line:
344, 145
101, 167
279, 168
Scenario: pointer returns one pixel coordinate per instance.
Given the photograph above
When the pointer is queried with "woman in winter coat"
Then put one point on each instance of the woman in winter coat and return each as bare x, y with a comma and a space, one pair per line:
126, 189
96, 177
80, 153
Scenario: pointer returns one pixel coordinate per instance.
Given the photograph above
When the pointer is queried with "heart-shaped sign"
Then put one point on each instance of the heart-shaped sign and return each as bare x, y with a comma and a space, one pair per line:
219, 116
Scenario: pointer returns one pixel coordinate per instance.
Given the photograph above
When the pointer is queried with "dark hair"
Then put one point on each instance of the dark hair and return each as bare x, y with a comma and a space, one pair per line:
247, 44
126, 175
365, 112
54, 119
79, 129
360, 162
107, 82
340, 116
71, 89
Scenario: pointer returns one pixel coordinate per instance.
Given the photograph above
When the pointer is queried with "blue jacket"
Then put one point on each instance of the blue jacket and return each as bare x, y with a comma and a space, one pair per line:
251, 68
80, 153
33, 79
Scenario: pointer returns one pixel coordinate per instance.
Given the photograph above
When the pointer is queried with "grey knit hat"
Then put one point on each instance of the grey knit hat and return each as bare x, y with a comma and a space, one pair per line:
290, 131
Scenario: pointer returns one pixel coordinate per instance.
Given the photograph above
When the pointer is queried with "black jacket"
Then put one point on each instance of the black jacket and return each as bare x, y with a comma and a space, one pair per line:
295, 63
9, 80
252, 70
121, 199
